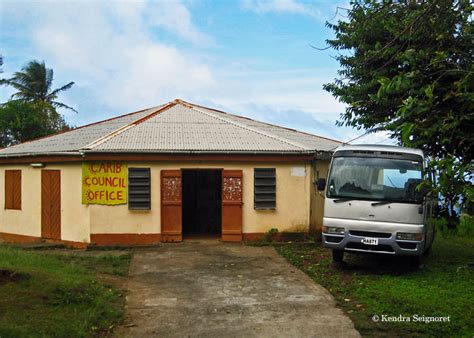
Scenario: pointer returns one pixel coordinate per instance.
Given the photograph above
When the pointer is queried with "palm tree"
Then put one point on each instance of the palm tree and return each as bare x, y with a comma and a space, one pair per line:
34, 83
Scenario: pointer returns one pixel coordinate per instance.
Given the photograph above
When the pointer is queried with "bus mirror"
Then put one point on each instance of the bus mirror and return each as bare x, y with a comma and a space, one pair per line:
320, 184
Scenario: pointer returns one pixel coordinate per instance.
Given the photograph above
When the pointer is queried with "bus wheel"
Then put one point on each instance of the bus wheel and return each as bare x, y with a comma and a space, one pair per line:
337, 255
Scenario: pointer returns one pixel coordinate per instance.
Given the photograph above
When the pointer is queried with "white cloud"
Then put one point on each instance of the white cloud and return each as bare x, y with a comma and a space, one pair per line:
175, 17
113, 55
110, 52
297, 90
156, 73
381, 137
279, 6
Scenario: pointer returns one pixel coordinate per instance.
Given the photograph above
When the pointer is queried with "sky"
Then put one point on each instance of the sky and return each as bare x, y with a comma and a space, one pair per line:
248, 57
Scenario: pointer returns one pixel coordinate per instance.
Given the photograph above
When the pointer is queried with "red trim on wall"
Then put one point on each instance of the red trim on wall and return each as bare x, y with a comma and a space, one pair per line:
70, 244
24, 239
125, 239
278, 237
14, 238
254, 236
134, 239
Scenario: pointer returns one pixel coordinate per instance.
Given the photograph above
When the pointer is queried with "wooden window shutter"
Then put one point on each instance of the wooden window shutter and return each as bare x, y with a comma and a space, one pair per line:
232, 196
171, 206
8, 189
13, 189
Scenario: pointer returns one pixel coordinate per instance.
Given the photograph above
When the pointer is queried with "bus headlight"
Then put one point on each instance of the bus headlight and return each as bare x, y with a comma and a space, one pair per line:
408, 236
333, 230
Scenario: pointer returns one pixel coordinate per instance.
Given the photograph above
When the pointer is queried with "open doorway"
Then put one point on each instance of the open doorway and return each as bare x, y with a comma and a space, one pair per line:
201, 202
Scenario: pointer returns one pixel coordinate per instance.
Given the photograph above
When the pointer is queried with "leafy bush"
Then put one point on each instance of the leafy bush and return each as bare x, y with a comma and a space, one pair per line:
466, 225
270, 235
441, 226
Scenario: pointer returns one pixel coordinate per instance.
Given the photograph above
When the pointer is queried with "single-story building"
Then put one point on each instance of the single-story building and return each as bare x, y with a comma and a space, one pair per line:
161, 174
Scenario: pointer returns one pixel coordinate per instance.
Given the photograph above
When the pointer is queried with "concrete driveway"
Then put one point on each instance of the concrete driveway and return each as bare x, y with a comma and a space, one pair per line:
211, 289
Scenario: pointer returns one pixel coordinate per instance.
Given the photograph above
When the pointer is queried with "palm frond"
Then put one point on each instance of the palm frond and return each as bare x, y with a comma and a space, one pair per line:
49, 76
62, 105
34, 83
24, 92
5, 82
54, 93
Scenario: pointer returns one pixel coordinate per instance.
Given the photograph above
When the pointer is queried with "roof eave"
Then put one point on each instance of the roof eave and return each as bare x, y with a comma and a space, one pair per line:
198, 152
51, 153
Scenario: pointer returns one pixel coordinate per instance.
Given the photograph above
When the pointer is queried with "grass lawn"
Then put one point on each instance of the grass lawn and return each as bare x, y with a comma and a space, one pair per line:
368, 285
45, 293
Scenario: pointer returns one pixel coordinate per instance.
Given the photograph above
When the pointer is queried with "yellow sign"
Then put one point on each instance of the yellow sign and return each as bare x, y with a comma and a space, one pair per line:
104, 183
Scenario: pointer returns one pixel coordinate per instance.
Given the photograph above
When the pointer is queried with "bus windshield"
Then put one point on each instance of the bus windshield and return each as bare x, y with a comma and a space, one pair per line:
376, 179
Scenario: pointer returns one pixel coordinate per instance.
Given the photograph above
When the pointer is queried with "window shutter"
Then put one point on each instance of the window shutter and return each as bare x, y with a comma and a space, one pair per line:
8, 190
13, 189
17, 190
139, 189
264, 188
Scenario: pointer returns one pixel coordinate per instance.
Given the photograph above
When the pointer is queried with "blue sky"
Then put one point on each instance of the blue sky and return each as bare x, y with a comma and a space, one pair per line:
248, 57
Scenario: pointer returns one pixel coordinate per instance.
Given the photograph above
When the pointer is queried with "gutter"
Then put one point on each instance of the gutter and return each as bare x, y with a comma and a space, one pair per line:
83, 153
200, 152
321, 154
59, 153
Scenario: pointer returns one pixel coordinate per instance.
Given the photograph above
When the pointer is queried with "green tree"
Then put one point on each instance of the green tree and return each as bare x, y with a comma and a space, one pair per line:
407, 68
32, 110
22, 121
34, 84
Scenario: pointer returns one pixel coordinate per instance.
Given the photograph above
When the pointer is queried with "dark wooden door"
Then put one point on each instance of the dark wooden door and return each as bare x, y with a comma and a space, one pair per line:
51, 204
171, 206
232, 205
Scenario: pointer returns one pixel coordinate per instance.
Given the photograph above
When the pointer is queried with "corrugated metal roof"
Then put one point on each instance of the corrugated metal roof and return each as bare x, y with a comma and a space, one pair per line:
74, 140
186, 129
308, 140
177, 127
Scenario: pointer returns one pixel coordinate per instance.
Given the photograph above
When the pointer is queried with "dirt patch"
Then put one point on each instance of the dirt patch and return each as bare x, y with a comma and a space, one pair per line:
118, 281
10, 276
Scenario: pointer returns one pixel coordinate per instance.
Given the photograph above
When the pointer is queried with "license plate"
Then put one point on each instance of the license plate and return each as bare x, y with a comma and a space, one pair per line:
370, 241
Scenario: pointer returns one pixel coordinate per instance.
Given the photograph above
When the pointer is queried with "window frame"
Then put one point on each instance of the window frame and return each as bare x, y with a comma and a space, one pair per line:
263, 181
133, 204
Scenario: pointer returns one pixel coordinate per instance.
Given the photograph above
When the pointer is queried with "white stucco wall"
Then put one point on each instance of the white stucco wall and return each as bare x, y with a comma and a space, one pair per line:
79, 221
27, 221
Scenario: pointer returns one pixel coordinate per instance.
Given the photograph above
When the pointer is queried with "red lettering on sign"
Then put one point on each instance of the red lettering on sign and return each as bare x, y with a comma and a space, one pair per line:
102, 183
